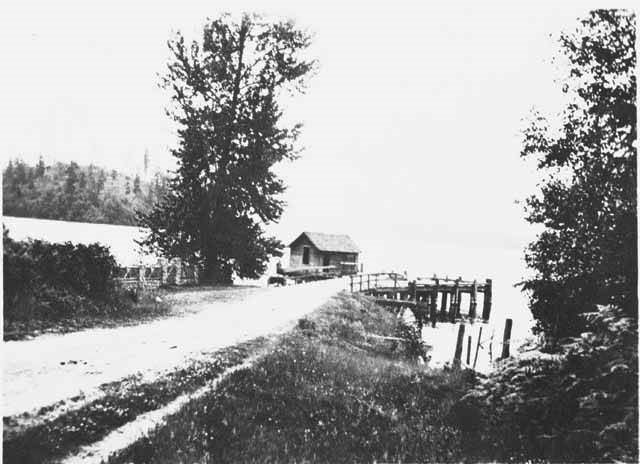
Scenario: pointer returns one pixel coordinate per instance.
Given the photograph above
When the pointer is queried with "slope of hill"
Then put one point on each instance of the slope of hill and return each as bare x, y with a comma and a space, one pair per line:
67, 191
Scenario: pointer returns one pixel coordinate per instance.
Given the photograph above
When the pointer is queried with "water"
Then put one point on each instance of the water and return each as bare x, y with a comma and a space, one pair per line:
504, 265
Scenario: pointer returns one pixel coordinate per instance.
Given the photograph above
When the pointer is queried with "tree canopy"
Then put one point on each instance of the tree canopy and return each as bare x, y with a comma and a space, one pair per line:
587, 252
225, 92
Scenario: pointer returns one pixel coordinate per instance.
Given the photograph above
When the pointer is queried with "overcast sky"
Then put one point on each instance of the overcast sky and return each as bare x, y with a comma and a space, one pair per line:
411, 124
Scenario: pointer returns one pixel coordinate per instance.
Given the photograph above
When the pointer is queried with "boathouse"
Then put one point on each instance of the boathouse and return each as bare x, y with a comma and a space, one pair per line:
317, 249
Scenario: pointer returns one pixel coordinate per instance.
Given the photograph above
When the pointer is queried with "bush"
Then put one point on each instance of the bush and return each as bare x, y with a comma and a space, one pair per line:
580, 405
51, 281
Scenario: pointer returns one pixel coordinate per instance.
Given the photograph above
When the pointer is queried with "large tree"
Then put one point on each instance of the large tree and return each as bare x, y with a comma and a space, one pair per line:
225, 98
587, 252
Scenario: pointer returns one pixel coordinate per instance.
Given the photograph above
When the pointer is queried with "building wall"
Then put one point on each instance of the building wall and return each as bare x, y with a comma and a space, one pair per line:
316, 257
337, 258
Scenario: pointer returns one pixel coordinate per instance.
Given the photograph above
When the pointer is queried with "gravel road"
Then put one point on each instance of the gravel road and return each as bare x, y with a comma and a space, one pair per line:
51, 368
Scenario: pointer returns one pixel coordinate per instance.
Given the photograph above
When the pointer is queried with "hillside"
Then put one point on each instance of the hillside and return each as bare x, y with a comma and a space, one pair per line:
70, 192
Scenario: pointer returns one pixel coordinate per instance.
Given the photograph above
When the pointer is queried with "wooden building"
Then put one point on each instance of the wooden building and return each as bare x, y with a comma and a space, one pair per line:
313, 249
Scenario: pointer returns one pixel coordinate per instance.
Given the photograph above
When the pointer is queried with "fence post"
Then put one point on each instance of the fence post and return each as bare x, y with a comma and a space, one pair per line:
475, 359
360, 282
486, 305
506, 338
368, 282
458, 353
351, 283
469, 350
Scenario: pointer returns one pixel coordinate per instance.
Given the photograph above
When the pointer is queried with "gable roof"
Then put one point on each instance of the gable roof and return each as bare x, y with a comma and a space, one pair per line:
329, 242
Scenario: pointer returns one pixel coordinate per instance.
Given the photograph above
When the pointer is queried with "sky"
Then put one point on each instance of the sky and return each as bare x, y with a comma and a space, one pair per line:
411, 125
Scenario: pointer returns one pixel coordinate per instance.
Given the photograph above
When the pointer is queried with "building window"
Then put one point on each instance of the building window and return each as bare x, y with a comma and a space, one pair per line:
305, 255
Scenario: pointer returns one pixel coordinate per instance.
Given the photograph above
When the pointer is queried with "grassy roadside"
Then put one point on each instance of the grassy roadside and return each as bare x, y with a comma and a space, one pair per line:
327, 392
123, 401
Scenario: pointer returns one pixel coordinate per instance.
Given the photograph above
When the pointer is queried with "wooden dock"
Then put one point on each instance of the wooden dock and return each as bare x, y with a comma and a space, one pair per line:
431, 299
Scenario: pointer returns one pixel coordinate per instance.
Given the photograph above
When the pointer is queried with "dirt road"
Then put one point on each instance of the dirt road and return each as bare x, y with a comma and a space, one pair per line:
51, 368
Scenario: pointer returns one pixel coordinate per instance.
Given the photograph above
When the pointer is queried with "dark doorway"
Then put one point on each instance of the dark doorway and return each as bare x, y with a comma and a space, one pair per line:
326, 260
305, 255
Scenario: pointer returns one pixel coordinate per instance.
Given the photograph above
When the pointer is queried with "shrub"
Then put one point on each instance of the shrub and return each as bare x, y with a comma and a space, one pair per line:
51, 281
580, 405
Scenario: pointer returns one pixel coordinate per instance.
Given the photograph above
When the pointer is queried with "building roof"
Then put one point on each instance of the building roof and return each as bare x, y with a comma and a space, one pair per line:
330, 242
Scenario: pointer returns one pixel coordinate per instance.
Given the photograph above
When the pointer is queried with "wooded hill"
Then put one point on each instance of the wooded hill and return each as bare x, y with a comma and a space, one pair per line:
70, 192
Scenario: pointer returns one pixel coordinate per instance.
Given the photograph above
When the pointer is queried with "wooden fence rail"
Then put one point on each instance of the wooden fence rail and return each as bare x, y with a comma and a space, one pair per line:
152, 277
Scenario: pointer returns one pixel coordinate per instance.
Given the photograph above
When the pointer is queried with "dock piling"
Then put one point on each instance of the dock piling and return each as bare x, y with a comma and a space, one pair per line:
486, 306
458, 353
506, 338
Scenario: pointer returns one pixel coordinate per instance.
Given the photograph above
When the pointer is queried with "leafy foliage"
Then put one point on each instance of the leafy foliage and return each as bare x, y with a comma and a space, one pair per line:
578, 406
587, 252
51, 282
225, 92
67, 191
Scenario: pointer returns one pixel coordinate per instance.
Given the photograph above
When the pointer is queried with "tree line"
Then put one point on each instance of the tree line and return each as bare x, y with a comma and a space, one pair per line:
70, 192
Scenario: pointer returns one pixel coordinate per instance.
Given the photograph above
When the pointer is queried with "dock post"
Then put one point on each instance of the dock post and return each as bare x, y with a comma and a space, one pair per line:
443, 305
472, 301
486, 305
475, 359
506, 338
433, 305
468, 350
458, 354
452, 306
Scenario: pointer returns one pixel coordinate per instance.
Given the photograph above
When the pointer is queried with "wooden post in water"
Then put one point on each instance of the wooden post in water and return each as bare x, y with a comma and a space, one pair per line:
506, 338
458, 296
452, 305
443, 305
468, 350
433, 306
486, 305
458, 353
475, 359
472, 301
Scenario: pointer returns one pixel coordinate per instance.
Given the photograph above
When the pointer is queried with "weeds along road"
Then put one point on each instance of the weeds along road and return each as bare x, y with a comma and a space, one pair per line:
50, 368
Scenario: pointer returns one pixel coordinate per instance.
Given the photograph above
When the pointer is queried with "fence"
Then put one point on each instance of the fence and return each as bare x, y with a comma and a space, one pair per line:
174, 272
